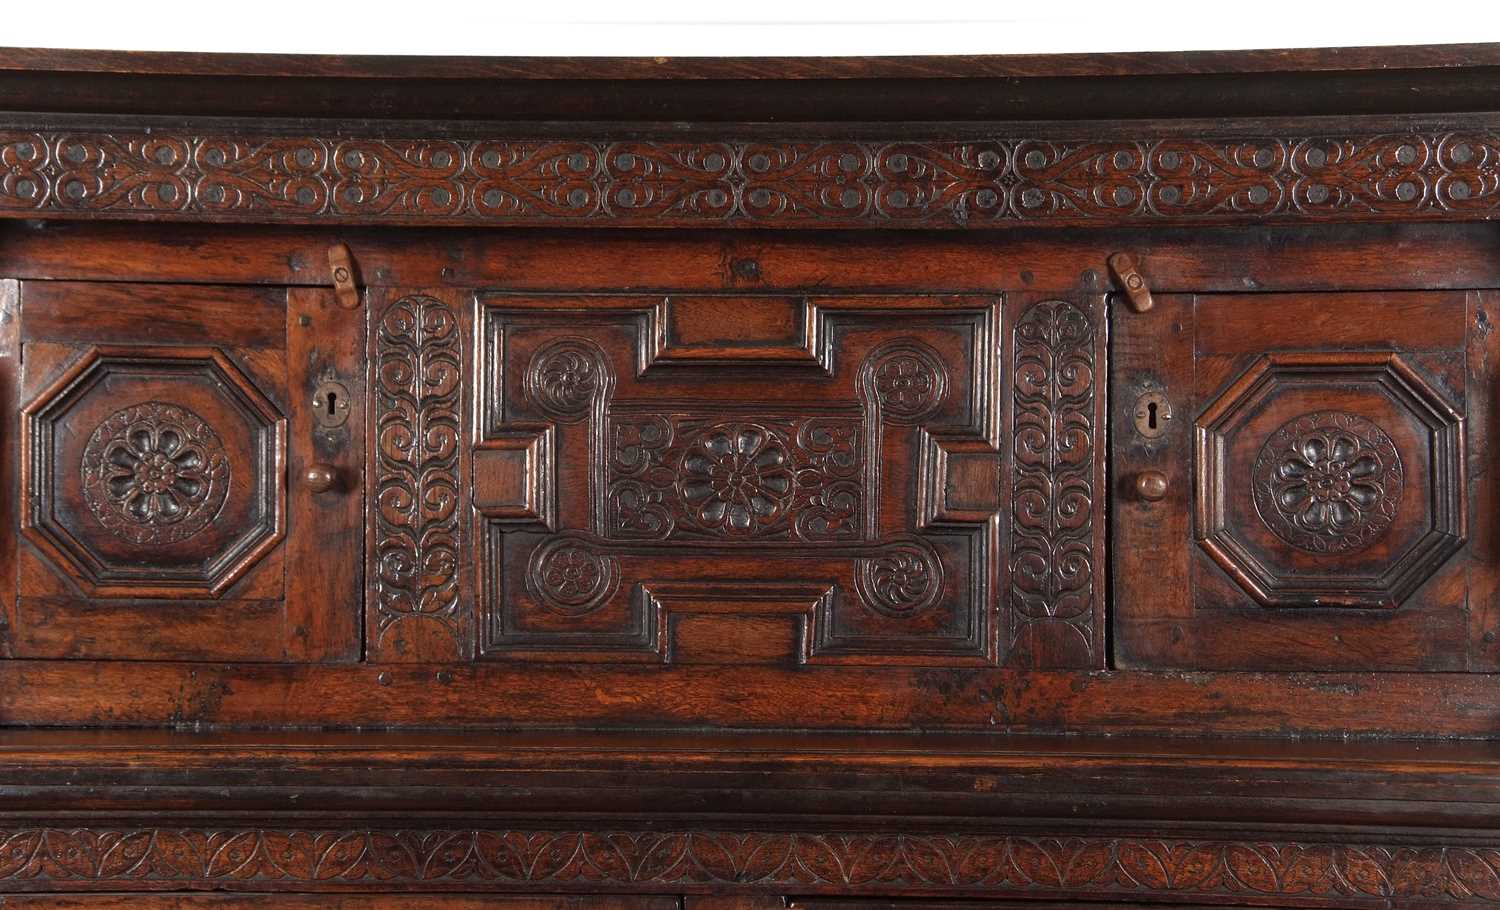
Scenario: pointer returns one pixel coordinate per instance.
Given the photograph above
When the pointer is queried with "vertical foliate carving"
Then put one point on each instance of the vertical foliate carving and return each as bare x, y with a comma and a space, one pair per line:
1055, 444
418, 378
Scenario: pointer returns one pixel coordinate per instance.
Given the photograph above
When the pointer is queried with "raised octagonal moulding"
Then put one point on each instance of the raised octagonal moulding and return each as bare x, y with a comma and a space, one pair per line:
1330, 479
153, 472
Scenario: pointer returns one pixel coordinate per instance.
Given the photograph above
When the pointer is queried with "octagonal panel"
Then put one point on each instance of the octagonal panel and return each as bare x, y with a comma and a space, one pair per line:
1330, 480
153, 472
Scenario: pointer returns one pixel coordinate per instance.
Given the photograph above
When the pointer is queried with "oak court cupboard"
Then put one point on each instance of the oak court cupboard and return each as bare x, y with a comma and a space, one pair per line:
980, 482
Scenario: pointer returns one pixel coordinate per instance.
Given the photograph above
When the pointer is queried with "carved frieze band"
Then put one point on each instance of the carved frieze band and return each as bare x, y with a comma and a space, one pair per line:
1053, 487
218, 177
418, 369
984, 863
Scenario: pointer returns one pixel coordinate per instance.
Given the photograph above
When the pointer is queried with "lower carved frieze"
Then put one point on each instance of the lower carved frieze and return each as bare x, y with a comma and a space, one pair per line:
1292, 871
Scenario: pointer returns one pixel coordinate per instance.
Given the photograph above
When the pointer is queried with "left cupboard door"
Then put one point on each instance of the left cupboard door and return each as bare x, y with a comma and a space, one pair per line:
183, 472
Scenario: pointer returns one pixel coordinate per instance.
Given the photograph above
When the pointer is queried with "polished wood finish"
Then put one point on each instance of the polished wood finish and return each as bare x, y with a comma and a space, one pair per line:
1269, 559
1051, 482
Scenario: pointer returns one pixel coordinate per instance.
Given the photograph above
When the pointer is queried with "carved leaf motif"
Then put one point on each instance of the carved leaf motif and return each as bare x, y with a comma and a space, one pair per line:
979, 865
557, 857
125, 856
75, 853
19, 852
1475, 873
1253, 866
769, 855
177, 854
1144, 867
1361, 872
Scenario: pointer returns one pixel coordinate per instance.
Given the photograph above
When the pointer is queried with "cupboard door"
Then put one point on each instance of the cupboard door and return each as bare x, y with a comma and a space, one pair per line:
1294, 476
685, 479
157, 424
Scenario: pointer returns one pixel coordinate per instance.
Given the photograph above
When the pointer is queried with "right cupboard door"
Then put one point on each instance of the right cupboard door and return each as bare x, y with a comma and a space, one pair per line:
1301, 481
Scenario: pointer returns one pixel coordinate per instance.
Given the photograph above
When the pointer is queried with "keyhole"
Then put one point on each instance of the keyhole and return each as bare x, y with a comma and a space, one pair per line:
333, 398
330, 402
1152, 411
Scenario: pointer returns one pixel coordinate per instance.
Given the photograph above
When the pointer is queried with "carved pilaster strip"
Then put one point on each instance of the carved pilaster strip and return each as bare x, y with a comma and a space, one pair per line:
416, 610
1056, 490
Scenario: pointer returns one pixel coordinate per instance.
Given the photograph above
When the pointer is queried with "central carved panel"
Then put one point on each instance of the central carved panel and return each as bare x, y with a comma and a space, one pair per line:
654, 480
700, 476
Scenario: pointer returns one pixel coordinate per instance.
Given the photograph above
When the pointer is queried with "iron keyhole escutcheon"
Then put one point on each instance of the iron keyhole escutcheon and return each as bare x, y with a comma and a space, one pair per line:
1153, 414
331, 404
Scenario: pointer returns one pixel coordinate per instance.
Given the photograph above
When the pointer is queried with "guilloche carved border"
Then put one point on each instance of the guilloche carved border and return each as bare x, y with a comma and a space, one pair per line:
37, 858
231, 176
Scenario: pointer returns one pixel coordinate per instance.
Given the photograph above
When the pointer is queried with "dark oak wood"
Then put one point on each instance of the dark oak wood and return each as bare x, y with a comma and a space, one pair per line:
1261, 398
334, 902
977, 482
968, 176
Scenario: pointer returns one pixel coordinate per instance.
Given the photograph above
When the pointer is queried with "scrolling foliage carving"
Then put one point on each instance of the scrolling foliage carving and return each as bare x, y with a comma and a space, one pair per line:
1052, 485
934, 183
418, 379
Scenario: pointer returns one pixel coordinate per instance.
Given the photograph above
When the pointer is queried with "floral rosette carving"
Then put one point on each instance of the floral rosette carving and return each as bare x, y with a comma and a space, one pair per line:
903, 579
1328, 482
906, 378
566, 376
155, 473
569, 575
736, 479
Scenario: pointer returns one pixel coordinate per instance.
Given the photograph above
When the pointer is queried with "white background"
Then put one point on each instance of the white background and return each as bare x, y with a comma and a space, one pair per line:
747, 27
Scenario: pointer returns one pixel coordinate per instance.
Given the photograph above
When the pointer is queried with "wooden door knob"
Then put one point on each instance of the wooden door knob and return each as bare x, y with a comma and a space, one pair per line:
320, 478
1151, 486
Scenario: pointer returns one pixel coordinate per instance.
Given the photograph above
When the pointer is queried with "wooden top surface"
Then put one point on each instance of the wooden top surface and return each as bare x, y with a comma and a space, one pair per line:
1297, 60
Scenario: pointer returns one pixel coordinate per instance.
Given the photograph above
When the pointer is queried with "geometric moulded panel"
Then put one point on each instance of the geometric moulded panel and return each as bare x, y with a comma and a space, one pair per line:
813, 481
1330, 479
153, 472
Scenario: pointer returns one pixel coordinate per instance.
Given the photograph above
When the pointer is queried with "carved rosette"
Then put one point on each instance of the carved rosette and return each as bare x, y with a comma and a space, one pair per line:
571, 576
418, 369
154, 473
906, 378
736, 478
1328, 482
1052, 484
901, 581
684, 476
1145, 179
566, 376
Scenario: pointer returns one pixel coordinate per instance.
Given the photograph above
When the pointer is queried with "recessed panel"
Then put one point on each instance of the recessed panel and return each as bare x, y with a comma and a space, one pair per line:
719, 487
